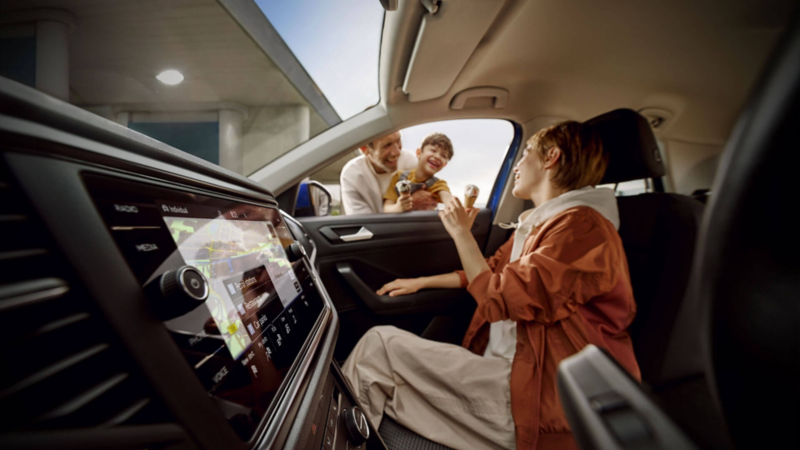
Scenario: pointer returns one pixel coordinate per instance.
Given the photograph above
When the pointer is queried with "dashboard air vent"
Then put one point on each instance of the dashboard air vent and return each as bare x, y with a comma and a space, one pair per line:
62, 367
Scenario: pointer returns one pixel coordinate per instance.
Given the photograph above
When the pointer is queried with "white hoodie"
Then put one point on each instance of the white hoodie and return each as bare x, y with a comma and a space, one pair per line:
503, 334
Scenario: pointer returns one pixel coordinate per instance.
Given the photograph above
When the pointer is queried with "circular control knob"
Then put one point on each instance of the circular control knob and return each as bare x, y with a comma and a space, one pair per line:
181, 290
296, 251
356, 424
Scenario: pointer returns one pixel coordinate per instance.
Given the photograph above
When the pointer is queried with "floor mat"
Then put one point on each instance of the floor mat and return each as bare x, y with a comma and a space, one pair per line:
398, 437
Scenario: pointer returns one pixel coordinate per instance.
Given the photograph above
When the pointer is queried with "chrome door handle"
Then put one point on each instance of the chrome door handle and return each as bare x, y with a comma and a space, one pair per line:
362, 235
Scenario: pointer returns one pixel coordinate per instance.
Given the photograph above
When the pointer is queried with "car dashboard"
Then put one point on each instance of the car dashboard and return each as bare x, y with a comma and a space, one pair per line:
153, 300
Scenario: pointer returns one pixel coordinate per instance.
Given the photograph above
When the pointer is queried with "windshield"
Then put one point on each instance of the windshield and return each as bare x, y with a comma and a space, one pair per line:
237, 83
338, 44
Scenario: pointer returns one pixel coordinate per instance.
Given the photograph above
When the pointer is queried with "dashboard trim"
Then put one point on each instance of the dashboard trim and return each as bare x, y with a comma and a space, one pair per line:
284, 403
313, 257
85, 151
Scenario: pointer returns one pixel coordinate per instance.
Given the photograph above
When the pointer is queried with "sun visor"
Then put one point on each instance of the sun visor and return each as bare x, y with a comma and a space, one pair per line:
445, 41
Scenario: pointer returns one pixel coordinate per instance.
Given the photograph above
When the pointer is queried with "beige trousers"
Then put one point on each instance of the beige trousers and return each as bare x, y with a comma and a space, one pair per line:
440, 391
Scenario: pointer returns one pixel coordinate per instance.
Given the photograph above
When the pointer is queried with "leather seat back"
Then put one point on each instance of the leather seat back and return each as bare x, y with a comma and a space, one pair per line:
658, 232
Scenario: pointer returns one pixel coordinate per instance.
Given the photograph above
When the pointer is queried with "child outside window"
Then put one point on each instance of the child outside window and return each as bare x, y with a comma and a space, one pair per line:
433, 155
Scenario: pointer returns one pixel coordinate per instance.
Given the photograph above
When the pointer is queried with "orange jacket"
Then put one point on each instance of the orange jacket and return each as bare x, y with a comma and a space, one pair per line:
569, 288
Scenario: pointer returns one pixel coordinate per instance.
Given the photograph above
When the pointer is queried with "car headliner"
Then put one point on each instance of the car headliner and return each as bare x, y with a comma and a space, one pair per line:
577, 59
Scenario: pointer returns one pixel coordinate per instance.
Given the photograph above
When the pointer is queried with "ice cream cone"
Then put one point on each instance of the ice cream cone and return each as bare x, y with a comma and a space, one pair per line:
470, 195
403, 187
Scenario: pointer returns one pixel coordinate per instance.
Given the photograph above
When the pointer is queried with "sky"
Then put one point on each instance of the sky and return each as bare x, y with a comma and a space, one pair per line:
337, 42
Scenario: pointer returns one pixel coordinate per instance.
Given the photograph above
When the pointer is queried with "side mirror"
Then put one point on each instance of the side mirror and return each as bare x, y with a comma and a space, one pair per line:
313, 200
320, 199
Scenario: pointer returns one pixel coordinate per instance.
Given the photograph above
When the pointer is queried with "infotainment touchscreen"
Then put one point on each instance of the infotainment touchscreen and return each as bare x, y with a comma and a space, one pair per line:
244, 339
247, 270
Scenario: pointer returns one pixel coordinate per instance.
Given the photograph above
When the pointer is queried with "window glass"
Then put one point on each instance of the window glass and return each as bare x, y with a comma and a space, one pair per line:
235, 83
627, 188
338, 43
479, 146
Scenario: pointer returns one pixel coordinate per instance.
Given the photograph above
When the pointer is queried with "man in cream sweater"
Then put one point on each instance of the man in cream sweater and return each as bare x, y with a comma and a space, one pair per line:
365, 178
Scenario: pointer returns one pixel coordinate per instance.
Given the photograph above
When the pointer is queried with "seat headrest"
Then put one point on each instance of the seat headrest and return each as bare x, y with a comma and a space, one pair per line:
630, 144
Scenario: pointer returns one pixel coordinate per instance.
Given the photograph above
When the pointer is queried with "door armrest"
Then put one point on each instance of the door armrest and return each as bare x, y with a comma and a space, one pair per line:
607, 409
426, 301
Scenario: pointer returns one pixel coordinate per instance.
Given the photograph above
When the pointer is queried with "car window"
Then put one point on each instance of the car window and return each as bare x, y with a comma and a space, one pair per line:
635, 187
479, 148
235, 83
628, 188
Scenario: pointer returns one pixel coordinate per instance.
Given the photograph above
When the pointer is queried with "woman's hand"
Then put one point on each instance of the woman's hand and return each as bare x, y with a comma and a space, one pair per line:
401, 286
457, 220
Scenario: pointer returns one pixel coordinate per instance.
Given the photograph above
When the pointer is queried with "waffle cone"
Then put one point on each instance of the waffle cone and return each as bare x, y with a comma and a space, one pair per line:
469, 201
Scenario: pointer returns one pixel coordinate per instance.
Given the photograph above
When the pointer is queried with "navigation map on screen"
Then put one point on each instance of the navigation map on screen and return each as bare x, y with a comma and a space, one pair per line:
247, 269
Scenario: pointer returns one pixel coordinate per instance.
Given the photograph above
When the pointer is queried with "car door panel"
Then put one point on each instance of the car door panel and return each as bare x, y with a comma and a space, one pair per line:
433, 300
400, 246
388, 230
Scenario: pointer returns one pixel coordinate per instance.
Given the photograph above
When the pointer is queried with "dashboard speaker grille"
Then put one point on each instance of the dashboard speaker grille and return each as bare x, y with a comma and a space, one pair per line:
62, 367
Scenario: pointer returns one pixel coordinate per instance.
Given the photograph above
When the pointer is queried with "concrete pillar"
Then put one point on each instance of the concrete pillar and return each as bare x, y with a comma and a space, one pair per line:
230, 140
123, 118
52, 58
271, 131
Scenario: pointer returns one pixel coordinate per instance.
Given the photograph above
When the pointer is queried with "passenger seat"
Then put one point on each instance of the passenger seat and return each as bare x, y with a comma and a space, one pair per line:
658, 231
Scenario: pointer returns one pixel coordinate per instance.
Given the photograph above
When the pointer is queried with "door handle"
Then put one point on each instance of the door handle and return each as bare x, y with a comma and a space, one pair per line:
361, 235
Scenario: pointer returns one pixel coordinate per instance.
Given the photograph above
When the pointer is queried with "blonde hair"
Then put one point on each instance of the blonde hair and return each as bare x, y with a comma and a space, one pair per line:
583, 161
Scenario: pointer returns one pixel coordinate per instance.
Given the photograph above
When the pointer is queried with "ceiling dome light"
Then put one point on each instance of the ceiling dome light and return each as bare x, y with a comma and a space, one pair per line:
170, 77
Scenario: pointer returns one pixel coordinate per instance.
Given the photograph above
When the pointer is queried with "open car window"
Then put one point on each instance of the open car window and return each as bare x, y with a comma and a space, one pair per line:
479, 149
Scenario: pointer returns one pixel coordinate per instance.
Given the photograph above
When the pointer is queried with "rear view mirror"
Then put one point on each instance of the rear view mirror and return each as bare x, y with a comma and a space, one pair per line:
313, 200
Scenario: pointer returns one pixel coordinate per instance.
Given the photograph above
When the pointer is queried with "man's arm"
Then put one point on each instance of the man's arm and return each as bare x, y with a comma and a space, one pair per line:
423, 200
352, 200
354, 204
